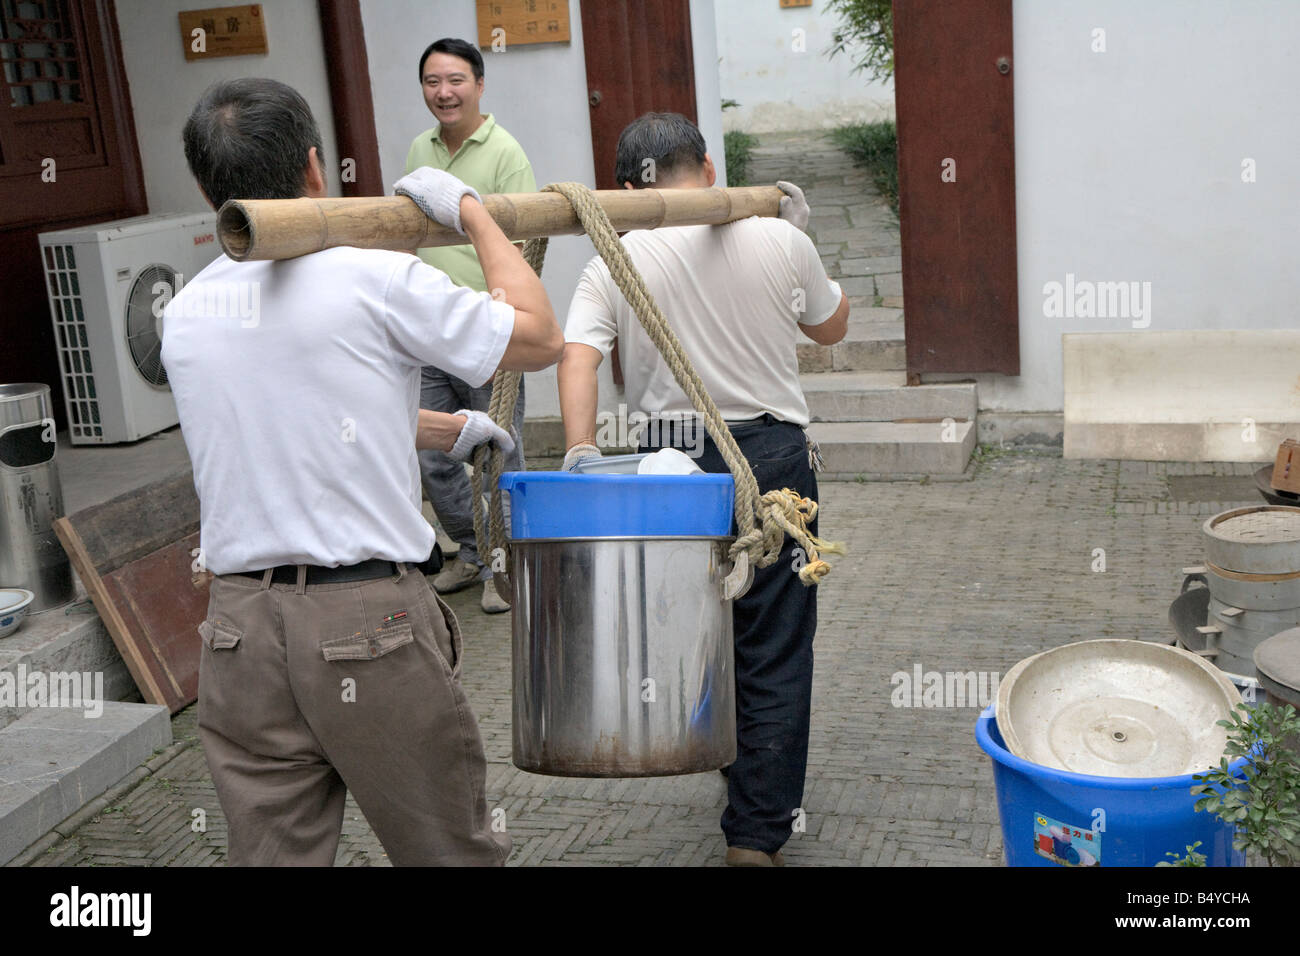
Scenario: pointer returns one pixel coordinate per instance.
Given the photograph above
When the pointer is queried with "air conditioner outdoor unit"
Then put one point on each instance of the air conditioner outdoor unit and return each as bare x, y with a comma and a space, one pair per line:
107, 285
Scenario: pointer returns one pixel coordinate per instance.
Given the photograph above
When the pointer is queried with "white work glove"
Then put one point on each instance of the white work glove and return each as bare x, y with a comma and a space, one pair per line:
578, 454
479, 428
438, 193
794, 208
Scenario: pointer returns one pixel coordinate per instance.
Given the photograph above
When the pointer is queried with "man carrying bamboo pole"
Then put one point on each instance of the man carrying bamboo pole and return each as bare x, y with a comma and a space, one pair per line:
478, 151
328, 662
737, 296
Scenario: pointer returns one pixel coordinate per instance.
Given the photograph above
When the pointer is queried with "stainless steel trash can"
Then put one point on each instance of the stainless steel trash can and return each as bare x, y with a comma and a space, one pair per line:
31, 497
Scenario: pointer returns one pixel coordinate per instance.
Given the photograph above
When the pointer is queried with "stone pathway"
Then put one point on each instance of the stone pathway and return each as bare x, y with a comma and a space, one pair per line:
854, 228
953, 576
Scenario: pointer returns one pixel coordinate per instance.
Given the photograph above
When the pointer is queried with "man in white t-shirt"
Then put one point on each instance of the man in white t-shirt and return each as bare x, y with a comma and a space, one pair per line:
328, 663
738, 296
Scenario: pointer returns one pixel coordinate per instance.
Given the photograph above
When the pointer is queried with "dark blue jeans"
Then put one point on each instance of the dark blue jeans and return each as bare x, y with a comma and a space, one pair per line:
774, 627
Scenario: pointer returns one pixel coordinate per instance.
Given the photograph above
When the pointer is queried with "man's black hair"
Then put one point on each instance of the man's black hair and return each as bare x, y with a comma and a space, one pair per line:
461, 48
249, 138
672, 141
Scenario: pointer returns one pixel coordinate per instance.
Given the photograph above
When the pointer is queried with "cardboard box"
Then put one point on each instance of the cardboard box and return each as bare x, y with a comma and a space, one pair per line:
1286, 472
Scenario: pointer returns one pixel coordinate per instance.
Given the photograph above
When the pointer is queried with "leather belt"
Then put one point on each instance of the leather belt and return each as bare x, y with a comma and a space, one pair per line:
316, 574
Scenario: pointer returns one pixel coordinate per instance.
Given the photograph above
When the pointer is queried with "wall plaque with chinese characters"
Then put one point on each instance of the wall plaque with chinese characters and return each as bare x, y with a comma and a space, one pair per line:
796, 3
223, 31
506, 23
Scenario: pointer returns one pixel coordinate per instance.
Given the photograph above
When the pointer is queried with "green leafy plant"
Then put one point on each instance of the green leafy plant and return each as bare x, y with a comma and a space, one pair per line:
1191, 859
874, 146
1260, 798
738, 147
865, 32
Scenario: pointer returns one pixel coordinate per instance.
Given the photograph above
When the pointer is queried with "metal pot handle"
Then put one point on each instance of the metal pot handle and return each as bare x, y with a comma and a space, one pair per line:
1194, 574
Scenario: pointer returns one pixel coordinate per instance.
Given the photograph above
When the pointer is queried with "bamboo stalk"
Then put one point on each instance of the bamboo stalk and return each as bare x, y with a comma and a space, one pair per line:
286, 228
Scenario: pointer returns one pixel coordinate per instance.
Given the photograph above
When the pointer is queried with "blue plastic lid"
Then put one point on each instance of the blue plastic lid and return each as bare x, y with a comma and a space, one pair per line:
556, 504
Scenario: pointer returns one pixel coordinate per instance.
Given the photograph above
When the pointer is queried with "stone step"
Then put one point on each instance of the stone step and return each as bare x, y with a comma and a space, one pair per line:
55, 760
874, 342
884, 397
893, 449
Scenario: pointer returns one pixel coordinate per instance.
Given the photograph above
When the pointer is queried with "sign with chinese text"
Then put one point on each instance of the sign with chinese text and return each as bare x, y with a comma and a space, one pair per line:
223, 31
506, 23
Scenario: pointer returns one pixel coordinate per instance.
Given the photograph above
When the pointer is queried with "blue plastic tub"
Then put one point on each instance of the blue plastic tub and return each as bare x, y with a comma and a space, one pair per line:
1051, 817
556, 504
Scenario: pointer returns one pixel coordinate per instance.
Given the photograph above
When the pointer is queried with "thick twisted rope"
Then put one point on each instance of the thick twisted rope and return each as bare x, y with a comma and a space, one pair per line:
763, 520
489, 461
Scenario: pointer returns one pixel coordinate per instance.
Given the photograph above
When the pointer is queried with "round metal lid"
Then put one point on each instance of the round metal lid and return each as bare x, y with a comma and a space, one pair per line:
1278, 658
1116, 708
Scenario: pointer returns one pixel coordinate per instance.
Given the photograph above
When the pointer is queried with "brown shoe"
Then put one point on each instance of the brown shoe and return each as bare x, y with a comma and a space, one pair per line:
744, 856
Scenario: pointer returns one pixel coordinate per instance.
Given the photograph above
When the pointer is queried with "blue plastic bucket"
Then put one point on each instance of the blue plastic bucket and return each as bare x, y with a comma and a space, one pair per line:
1051, 817
556, 504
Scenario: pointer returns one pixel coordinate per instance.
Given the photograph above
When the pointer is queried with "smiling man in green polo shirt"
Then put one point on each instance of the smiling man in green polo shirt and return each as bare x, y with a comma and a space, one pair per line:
481, 154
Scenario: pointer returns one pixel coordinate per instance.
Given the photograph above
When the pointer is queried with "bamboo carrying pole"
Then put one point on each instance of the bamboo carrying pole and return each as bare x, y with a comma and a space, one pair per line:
286, 228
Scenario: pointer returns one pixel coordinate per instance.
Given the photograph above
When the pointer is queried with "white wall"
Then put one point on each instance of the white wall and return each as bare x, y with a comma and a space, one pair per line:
780, 88
1129, 167
538, 93
165, 86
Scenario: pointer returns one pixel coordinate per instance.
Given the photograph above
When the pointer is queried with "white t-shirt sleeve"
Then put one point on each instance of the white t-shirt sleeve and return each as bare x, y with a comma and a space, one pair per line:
591, 313
821, 294
432, 321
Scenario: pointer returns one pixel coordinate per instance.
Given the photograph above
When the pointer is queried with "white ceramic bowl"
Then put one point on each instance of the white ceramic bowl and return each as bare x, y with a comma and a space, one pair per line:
13, 608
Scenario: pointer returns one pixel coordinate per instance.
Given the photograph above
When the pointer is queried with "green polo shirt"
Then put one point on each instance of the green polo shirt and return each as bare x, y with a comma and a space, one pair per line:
492, 162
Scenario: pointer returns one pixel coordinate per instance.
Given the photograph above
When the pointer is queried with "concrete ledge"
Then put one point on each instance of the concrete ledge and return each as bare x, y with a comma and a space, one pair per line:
53, 761
543, 438
1165, 441
894, 448
1021, 428
884, 397
70, 638
1192, 395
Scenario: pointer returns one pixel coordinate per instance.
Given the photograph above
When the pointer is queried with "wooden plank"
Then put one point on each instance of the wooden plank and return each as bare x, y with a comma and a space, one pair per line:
135, 554
162, 603
135, 661
957, 185
134, 524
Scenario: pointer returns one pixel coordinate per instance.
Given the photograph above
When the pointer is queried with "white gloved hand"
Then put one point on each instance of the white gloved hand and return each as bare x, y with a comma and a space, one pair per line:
438, 193
578, 454
479, 428
794, 208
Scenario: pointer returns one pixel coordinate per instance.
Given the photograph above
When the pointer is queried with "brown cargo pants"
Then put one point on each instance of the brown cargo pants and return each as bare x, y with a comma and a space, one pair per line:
309, 691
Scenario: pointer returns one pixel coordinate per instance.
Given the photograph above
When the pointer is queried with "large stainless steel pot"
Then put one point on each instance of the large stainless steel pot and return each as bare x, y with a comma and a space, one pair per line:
623, 657
31, 498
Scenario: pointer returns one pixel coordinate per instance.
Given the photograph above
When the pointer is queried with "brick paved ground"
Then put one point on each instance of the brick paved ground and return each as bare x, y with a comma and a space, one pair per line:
955, 576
